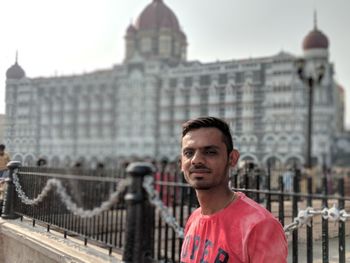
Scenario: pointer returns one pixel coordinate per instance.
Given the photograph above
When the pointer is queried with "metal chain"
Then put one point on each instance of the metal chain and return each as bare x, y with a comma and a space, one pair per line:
49, 184
154, 199
304, 217
114, 197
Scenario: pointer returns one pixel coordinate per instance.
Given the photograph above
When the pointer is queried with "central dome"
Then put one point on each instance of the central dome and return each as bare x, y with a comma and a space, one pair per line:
156, 16
315, 39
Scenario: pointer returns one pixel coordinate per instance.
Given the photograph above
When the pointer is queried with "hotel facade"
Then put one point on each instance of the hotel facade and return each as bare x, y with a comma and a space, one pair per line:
135, 109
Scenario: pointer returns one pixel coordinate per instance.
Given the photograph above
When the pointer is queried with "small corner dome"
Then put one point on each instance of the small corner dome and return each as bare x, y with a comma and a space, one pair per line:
15, 72
315, 39
131, 30
157, 15
183, 35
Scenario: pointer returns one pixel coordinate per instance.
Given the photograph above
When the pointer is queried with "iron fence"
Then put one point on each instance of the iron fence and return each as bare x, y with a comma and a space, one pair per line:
144, 221
86, 189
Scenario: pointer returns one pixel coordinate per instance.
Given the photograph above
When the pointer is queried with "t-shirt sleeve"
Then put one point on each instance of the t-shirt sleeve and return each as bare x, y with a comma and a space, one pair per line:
267, 243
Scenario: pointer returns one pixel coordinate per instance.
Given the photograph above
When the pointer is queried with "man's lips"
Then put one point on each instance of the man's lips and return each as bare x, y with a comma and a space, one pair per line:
199, 171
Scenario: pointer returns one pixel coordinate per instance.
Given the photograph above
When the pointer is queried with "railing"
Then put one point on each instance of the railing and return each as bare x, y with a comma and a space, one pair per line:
148, 226
76, 202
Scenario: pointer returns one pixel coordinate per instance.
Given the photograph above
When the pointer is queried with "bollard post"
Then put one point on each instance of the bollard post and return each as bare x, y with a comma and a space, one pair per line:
7, 209
139, 239
295, 200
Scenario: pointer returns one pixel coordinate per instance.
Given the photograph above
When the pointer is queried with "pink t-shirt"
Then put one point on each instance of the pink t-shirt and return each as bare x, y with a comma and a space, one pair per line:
242, 232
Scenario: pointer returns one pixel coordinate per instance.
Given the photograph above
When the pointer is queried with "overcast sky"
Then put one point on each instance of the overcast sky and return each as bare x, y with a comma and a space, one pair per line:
75, 36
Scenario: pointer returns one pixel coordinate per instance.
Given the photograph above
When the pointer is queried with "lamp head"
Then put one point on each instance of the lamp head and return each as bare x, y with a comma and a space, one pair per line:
300, 64
320, 72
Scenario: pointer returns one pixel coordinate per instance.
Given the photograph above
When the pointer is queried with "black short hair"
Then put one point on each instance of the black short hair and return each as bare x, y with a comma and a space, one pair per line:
2, 147
210, 122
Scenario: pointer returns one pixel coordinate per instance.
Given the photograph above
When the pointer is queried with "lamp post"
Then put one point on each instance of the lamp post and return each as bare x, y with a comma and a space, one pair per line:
311, 74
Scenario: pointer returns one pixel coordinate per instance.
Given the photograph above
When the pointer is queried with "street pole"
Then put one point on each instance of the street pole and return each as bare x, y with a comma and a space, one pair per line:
311, 77
309, 125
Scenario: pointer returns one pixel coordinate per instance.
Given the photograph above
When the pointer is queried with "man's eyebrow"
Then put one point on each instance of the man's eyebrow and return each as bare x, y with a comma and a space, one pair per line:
187, 148
211, 147
207, 147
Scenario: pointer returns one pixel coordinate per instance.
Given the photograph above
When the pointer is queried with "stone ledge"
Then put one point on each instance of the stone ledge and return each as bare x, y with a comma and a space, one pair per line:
20, 242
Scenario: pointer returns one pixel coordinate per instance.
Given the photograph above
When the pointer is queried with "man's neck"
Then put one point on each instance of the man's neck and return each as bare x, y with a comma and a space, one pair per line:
212, 201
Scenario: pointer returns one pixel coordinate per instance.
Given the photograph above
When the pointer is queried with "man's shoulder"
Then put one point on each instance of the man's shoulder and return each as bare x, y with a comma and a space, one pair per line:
248, 208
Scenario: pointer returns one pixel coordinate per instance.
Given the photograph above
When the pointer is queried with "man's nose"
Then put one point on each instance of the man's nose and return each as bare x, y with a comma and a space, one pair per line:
197, 158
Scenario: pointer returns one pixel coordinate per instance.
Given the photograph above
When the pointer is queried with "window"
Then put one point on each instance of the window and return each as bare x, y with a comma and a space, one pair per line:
223, 79
155, 45
204, 80
173, 83
222, 94
204, 102
257, 76
239, 77
188, 81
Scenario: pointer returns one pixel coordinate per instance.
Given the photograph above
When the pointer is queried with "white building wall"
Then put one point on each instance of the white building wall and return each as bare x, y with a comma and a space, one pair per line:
133, 111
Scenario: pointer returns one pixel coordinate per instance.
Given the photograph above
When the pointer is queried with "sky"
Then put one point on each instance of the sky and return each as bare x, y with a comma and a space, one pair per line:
60, 37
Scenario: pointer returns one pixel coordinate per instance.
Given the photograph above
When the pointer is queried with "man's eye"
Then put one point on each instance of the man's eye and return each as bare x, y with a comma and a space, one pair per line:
188, 154
210, 152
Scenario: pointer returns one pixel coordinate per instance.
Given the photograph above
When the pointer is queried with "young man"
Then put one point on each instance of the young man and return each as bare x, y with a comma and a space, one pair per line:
4, 160
228, 226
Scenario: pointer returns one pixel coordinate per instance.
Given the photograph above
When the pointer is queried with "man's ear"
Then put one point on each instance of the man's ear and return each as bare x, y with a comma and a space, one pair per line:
234, 156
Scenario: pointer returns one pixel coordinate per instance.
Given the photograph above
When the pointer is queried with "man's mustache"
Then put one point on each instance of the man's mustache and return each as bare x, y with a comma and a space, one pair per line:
199, 168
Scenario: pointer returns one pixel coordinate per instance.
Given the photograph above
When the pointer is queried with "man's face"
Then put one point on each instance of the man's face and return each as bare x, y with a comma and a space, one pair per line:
204, 159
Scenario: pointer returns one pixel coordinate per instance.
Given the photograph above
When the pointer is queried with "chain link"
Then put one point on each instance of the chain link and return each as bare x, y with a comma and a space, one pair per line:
49, 184
114, 197
154, 199
305, 216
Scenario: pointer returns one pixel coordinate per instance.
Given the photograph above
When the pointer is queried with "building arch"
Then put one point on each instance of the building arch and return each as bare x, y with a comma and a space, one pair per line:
297, 138
29, 160
249, 157
93, 162
269, 138
55, 161
283, 143
274, 160
253, 139
293, 160
109, 163
67, 161
17, 157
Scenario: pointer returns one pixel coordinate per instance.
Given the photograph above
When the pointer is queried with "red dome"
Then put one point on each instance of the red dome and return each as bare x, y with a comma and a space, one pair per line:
315, 39
15, 72
157, 15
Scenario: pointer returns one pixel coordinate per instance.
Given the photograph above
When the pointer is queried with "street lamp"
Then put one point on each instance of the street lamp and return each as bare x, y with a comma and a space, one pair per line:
310, 74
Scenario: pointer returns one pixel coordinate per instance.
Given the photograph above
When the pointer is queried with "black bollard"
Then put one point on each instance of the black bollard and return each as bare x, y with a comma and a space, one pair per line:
139, 240
7, 209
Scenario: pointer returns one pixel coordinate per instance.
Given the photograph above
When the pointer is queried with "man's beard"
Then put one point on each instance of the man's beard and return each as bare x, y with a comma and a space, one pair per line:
209, 185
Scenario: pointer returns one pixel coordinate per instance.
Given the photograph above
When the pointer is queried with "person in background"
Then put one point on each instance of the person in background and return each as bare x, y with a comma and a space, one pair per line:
228, 226
4, 160
41, 162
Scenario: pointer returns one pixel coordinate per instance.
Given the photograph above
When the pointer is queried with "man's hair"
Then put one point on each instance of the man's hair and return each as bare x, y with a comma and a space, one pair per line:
210, 122
2, 147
